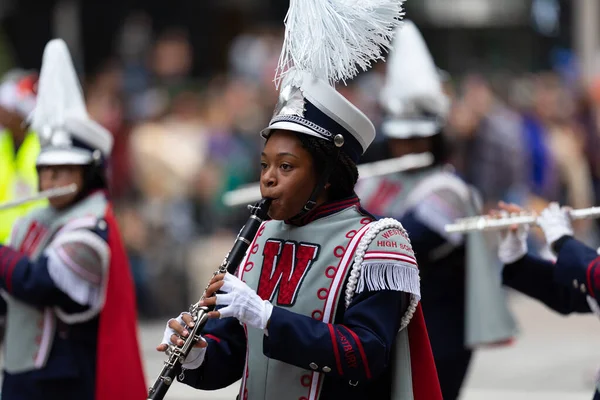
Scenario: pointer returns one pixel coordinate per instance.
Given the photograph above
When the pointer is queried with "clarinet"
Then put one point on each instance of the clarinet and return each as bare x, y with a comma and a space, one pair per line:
178, 354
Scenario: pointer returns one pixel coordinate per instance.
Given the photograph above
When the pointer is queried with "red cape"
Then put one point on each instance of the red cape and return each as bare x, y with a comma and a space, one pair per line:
426, 385
119, 371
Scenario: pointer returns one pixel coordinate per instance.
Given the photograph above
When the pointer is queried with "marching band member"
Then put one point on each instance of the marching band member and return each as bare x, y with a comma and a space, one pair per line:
71, 331
566, 286
569, 285
463, 302
326, 303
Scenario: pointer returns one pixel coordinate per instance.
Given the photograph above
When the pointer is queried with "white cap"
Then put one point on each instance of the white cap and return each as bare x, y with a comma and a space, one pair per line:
328, 42
412, 95
315, 108
68, 135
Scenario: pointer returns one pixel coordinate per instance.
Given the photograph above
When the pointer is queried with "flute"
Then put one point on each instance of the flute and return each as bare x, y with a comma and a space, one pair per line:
489, 223
46, 194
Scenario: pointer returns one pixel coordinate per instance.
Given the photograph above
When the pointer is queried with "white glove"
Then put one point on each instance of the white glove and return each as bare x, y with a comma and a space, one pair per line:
555, 222
243, 303
196, 357
513, 245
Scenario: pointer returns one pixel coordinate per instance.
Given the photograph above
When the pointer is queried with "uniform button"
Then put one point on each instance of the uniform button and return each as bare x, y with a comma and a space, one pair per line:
102, 225
313, 365
582, 288
326, 369
575, 283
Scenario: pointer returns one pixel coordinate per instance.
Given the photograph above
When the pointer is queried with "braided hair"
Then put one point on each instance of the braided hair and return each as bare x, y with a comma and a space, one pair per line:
344, 174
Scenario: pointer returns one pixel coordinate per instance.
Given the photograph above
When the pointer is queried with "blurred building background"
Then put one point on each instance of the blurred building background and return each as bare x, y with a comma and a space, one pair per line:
185, 86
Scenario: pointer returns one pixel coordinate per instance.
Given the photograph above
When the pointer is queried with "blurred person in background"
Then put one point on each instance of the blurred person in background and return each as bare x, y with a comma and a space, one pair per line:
462, 300
65, 275
588, 113
570, 284
19, 147
558, 169
487, 137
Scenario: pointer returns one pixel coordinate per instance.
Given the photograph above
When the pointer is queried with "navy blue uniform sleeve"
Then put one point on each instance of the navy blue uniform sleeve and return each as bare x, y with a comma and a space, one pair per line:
422, 239
578, 266
535, 278
358, 348
30, 282
225, 356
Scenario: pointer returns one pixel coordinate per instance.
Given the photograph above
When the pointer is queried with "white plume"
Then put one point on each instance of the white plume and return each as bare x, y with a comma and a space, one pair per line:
334, 39
59, 91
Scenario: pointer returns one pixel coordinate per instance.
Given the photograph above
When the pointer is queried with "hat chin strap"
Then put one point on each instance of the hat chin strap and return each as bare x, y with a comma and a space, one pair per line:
319, 187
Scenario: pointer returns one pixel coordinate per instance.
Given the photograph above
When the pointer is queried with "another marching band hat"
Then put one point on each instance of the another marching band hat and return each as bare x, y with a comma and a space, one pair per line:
412, 97
327, 42
18, 91
68, 135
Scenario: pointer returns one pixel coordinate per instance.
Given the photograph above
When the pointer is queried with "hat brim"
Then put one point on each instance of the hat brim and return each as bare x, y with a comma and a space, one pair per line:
289, 126
406, 129
57, 156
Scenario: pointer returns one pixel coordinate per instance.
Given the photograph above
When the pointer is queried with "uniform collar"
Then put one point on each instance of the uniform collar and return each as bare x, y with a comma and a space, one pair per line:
325, 210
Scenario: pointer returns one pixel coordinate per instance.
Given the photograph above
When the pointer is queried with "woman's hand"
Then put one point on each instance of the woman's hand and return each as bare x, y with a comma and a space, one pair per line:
240, 301
513, 241
555, 222
174, 331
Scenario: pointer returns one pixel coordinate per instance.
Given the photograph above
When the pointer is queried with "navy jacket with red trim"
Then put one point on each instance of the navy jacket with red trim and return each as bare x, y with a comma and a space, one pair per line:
535, 278
74, 347
578, 266
563, 286
355, 348
342, 345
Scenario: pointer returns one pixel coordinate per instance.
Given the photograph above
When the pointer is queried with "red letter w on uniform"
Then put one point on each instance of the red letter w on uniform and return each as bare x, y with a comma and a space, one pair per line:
284, 267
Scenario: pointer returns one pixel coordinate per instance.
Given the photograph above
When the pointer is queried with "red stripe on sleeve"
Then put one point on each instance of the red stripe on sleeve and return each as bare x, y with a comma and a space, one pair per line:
336, 351
591, 266
361, 351
5, 255
209, 336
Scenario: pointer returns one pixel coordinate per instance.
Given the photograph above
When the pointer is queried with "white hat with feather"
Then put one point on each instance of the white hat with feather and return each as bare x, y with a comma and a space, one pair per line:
327, 42
412, 97
68, 136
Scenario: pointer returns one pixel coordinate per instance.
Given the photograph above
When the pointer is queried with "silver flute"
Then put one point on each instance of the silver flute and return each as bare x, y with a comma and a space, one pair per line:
492, 223
46, 194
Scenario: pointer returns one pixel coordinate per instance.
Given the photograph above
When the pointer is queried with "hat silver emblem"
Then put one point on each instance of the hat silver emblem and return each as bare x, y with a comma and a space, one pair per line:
291, 102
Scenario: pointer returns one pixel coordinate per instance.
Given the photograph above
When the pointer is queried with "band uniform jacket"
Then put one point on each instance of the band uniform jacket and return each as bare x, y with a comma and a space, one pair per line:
71, 320
315, 347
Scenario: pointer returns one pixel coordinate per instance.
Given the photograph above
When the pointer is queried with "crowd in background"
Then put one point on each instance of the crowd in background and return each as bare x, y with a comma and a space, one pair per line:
182, 142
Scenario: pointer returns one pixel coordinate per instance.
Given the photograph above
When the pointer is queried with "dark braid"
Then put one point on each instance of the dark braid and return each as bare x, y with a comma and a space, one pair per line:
344, 175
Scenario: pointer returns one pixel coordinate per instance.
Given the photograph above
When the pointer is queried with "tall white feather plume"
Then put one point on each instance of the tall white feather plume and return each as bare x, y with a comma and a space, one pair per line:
59, 91
334, 39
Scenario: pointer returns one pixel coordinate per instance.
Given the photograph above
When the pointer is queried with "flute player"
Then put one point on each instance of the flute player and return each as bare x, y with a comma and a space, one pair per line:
569, 285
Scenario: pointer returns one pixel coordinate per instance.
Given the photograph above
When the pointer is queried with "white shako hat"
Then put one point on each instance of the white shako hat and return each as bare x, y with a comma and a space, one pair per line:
328, 41
412, 96
68, 136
